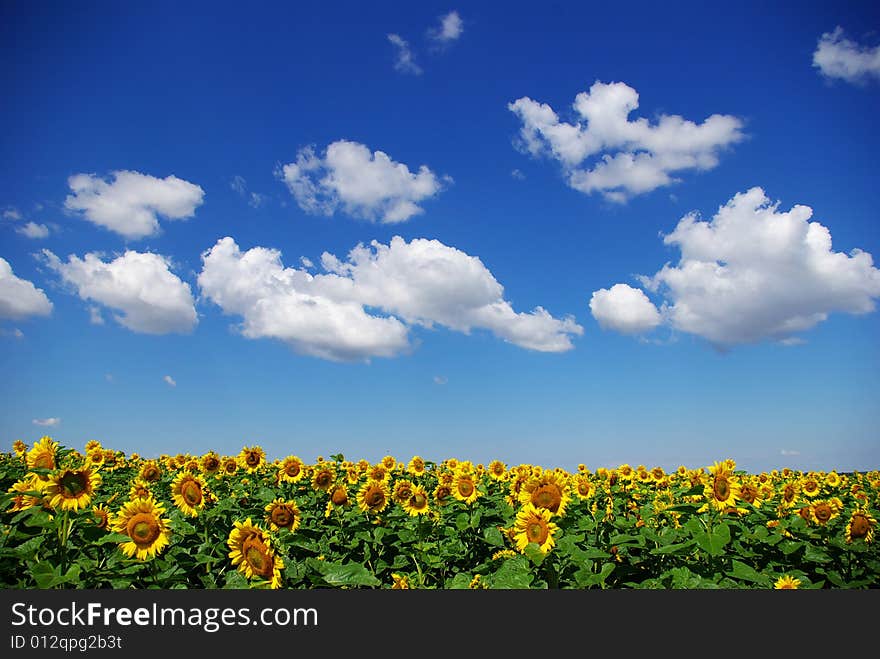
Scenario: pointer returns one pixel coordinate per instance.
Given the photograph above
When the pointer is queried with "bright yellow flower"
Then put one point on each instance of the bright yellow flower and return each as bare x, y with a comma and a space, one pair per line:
72, 489
533, 525
250, 549
142, 521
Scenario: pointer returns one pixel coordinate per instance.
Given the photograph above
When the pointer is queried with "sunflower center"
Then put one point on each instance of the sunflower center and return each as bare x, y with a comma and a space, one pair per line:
339, 497
418, 501
73, 483
749, 493
859, 526
822, 511
212, 464
375, 498
583, 489
537, 531
44, 461
465, 488
547, 496
721, 488
282, 516
143, 529
252, 459
192, 493
322, 479
151, 474
230, 467
258, 557
442, 493
788, 493
292, 470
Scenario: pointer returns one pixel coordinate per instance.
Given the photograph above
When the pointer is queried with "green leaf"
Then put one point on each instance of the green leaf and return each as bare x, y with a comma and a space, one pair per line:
44, 574
462, 521
461, 581
534, 554
349, 574
677, 548
112, 537
714, 542
748, 573
514, 573
585, 578
493, 537
816, 555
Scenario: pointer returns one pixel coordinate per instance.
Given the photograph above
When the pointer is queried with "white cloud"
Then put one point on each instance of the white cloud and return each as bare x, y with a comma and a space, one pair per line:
306, 262
367, 185
517, 174
440, 379
33, 230
19, 298
169, 381
630, 157
132, 203
11, 213
255, 200
95, 317
238, 184
332, 315
140, 287
450, 28
755, 273
788, 452
838, 57
624, 309
405, 61
51, 421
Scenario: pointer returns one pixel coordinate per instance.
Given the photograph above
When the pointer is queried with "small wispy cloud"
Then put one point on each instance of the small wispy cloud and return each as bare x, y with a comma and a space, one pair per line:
33, 230
440, 379
238, 184
108, 377
11, 213
789, 453
95, 317
51, 421
170, 381
405, 61
450, 28
518, 175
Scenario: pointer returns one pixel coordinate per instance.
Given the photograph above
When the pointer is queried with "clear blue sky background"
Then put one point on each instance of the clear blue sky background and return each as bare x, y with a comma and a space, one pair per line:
209, 92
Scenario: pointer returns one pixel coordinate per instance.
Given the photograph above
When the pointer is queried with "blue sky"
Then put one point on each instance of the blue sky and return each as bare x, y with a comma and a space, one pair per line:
516, 178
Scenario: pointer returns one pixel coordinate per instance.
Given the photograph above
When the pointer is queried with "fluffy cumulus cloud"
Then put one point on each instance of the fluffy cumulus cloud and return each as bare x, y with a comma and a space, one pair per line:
624, 309
364, 306
450, 28
405, 60
757, 273
132, 202
19, 298
170, 381
141, 289
364, 184
33, 230
838, 57
604, 151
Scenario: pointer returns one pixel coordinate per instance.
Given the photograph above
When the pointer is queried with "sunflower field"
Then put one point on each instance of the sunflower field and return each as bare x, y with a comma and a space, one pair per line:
103, 519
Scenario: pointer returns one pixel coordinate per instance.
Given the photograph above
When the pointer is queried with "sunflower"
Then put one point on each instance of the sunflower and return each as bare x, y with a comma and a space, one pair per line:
250, 549
833, 480
787, 582
549, 491
860, 526
402, 491
324, 477
188, 493
93, 444
442, 493
72, 489
497, 470
464, 488
625, 472
142, 521
722, 489
399, 581
583, 486
790, 495
42, 454
823, 512
810, 486
533, 525
338, 499
95, 457
751, 493
112, 460
281, 514
373, 496
150, 471
251, 458
291, 469
101, 516
229, 466
379, 472
389, 462
416, 466
26, 493
19, 447
210, 464
417, 504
